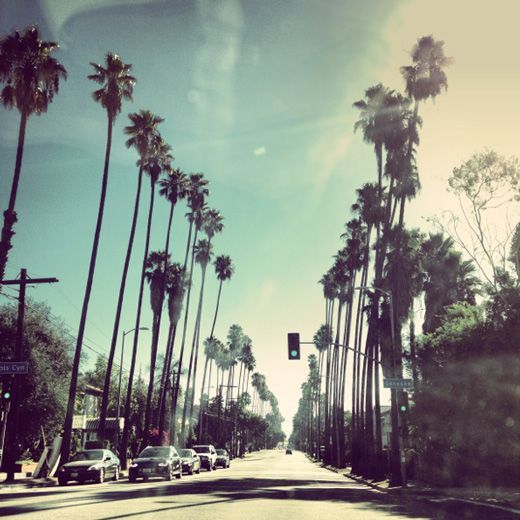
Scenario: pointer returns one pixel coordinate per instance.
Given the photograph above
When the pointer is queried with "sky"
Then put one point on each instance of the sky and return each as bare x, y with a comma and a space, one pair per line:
258, 96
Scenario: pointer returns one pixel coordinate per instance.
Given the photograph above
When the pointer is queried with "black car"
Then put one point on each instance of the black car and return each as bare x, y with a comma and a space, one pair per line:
288, 451
156, 461
96, 465
222, 459
190, 461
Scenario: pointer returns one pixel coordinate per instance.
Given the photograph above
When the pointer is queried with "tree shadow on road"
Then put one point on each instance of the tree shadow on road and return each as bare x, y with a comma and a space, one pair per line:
226, 490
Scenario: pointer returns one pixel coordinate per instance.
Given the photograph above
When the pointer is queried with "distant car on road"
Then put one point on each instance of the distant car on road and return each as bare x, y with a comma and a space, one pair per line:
96, 465
190, 461
222, 459
208, 456
288, 451
156, 461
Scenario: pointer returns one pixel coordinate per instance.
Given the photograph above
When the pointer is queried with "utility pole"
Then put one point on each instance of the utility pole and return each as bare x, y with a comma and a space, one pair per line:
11, 450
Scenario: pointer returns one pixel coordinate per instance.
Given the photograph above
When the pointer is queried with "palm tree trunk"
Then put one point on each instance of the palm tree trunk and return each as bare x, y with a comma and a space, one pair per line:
10, 214
184, 328
204, 376
194, 346
169, 346
67, 427
201, 402
119, 307
168, 362
197, 347
128, 405
155, 338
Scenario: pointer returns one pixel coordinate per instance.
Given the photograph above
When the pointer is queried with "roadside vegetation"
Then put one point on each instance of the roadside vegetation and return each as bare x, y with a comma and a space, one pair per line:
156, 409
458, 282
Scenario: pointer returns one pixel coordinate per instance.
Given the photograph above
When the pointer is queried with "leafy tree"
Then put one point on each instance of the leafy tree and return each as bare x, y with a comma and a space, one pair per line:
44, 390
32, 79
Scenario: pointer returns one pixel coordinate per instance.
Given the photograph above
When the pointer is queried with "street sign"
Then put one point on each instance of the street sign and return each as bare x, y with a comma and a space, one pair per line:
14, 367
395, 382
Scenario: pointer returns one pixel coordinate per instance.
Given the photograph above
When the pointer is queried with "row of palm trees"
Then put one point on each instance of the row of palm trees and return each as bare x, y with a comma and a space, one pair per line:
376, 245
31, 78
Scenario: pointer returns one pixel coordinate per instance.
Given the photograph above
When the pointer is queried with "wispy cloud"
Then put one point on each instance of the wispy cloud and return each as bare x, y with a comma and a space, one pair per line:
221, 25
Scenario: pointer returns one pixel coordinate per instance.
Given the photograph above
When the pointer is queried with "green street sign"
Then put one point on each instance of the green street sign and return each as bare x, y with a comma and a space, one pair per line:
399, 383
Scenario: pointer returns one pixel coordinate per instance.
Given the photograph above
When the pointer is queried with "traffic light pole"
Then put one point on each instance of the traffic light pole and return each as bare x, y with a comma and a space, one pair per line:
12, 432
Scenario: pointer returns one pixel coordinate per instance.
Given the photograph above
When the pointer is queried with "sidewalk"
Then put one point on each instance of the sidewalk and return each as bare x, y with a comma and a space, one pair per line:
508, 498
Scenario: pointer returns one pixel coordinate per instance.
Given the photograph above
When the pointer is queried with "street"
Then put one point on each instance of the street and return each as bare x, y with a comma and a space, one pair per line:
266, 484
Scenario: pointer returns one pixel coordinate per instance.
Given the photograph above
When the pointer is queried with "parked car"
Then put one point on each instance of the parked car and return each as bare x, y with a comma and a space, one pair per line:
190, 461
208, 456
288, 451
156, 461
222, 459
96, 465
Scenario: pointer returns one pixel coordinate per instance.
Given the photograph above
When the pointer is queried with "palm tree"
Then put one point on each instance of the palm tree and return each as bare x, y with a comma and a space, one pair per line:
142, 132
203, 254
176, 288
117, 84
196, 196
157, 278
173, 187
425, 78
32, 78
224, 270
156, 160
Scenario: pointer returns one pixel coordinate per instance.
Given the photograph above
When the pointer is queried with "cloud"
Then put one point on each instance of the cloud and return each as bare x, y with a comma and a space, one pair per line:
221, 26
261, 150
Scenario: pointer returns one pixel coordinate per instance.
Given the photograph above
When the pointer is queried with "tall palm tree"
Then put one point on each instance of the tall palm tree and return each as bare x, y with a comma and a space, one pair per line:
196, 195
173, 187
425, 78
157, 278
224, 270
116, 84
176, 288
142, 132
203, 254
157, 160
32, 78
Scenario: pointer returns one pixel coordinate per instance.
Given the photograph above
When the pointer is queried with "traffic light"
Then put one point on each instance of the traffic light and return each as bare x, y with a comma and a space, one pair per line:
404, 407
293, 343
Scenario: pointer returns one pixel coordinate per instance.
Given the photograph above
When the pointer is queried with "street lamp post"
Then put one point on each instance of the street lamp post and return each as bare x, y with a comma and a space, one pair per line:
120, 378
397, 434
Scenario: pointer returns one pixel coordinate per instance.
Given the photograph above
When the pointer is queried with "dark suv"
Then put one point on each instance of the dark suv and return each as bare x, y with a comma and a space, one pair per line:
156, 461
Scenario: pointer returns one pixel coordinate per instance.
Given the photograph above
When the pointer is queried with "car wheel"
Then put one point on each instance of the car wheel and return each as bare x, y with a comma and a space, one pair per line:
208, 468
145, 479
131, 479
101, 476
116, 474
179, 475
62, 481
228, 465
198, 471
190, 472
170, 474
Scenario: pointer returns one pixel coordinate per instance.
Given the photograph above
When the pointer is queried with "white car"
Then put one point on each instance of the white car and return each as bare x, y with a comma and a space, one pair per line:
208, 456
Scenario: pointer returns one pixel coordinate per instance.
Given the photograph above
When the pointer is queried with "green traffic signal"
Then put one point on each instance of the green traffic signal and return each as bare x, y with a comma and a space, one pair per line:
293, 344
403, 408
6, 396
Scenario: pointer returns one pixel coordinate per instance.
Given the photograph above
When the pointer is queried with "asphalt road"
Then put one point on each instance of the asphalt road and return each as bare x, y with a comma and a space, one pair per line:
264, 485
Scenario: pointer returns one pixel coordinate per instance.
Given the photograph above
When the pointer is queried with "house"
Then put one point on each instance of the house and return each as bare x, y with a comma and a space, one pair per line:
85, 426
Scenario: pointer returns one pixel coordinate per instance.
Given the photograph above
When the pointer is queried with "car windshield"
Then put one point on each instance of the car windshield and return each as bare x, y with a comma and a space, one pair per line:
88, 455
201, 449
155, 452
185, 453
221, 452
